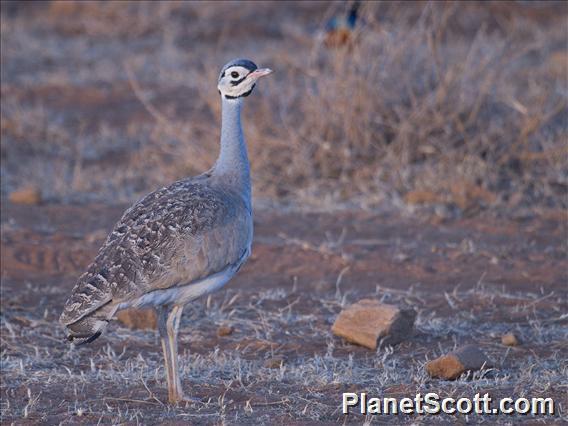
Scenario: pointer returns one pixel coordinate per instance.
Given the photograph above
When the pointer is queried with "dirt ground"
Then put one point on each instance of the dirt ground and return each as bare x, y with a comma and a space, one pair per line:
470, 281
433, 176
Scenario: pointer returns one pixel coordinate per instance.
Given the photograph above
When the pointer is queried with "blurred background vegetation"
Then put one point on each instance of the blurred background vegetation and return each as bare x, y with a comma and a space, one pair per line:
460, 107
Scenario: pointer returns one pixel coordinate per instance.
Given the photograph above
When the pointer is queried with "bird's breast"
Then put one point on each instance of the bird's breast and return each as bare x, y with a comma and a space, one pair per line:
214, 250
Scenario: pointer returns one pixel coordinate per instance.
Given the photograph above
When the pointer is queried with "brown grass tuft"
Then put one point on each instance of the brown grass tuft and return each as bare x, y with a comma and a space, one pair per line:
466, 101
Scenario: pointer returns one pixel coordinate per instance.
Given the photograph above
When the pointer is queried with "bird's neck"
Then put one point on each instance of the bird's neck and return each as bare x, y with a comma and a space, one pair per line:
233, 164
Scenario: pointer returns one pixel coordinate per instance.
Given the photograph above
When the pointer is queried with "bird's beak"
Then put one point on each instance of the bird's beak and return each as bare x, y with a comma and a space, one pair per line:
261, 72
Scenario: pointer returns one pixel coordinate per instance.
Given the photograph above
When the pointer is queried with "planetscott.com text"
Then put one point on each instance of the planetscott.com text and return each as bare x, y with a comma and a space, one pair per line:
432, 403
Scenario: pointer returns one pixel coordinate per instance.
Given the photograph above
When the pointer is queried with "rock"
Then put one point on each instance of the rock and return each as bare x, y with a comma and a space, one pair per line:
467, 195
558, 63
27, 195
509, 339
97, 236
338, 37
454, 364
401, 257
421, 197
138, 319
224, 330
323, 286
274, 362
369, 321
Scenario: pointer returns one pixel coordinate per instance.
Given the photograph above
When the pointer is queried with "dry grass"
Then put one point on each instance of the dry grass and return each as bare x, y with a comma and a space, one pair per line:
124, 373
456, 104
305, 268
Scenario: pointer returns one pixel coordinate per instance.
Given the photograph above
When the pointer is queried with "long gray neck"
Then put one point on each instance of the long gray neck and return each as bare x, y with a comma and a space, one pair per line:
233, 164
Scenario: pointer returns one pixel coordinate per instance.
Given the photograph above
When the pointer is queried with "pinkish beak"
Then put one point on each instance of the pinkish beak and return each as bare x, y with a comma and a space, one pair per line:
261, 72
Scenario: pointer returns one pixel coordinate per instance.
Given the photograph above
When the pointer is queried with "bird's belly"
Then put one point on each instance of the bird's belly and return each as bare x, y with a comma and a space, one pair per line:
182, 294
227, 243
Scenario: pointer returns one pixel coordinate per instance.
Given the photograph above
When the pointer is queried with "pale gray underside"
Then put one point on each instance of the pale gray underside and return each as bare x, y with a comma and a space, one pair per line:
183, 294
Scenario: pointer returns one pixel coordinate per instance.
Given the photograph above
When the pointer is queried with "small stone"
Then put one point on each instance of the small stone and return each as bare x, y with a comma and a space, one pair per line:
138, 319
27, 195
557, 63
509, 339
323, 286
274, 362
401, 257
96, 236
225, 330
454, 364
369, 321
421, 197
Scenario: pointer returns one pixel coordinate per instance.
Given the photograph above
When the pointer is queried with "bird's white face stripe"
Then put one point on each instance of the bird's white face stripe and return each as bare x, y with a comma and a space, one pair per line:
236, 74
238, 80
233, 82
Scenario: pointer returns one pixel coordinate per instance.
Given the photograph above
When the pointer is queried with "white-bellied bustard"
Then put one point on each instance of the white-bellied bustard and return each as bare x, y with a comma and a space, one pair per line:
177, 243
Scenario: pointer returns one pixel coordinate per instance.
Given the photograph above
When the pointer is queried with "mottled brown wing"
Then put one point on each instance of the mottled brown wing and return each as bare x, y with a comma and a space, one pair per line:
175, 235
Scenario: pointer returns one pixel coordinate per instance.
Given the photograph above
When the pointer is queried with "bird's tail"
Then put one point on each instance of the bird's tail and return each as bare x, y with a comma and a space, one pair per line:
90, 326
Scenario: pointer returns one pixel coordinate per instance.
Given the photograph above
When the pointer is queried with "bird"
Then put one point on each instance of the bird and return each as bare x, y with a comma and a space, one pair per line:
177, 243
339, 29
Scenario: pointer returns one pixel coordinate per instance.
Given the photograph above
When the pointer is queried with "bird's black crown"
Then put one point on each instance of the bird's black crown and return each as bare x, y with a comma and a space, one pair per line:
245, 63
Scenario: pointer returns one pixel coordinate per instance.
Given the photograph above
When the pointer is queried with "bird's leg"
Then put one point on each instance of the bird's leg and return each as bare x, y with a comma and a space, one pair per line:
168, 325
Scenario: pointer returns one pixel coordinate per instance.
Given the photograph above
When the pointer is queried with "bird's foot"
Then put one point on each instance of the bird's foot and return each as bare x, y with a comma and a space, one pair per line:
181, 398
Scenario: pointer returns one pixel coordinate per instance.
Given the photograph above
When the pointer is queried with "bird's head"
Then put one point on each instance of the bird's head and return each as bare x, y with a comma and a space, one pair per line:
238, 77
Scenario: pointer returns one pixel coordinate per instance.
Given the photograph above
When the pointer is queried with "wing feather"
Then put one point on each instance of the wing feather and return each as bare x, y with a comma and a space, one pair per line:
186, 231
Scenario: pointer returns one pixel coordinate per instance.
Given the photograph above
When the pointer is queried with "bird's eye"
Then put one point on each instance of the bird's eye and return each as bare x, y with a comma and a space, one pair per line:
234, 74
